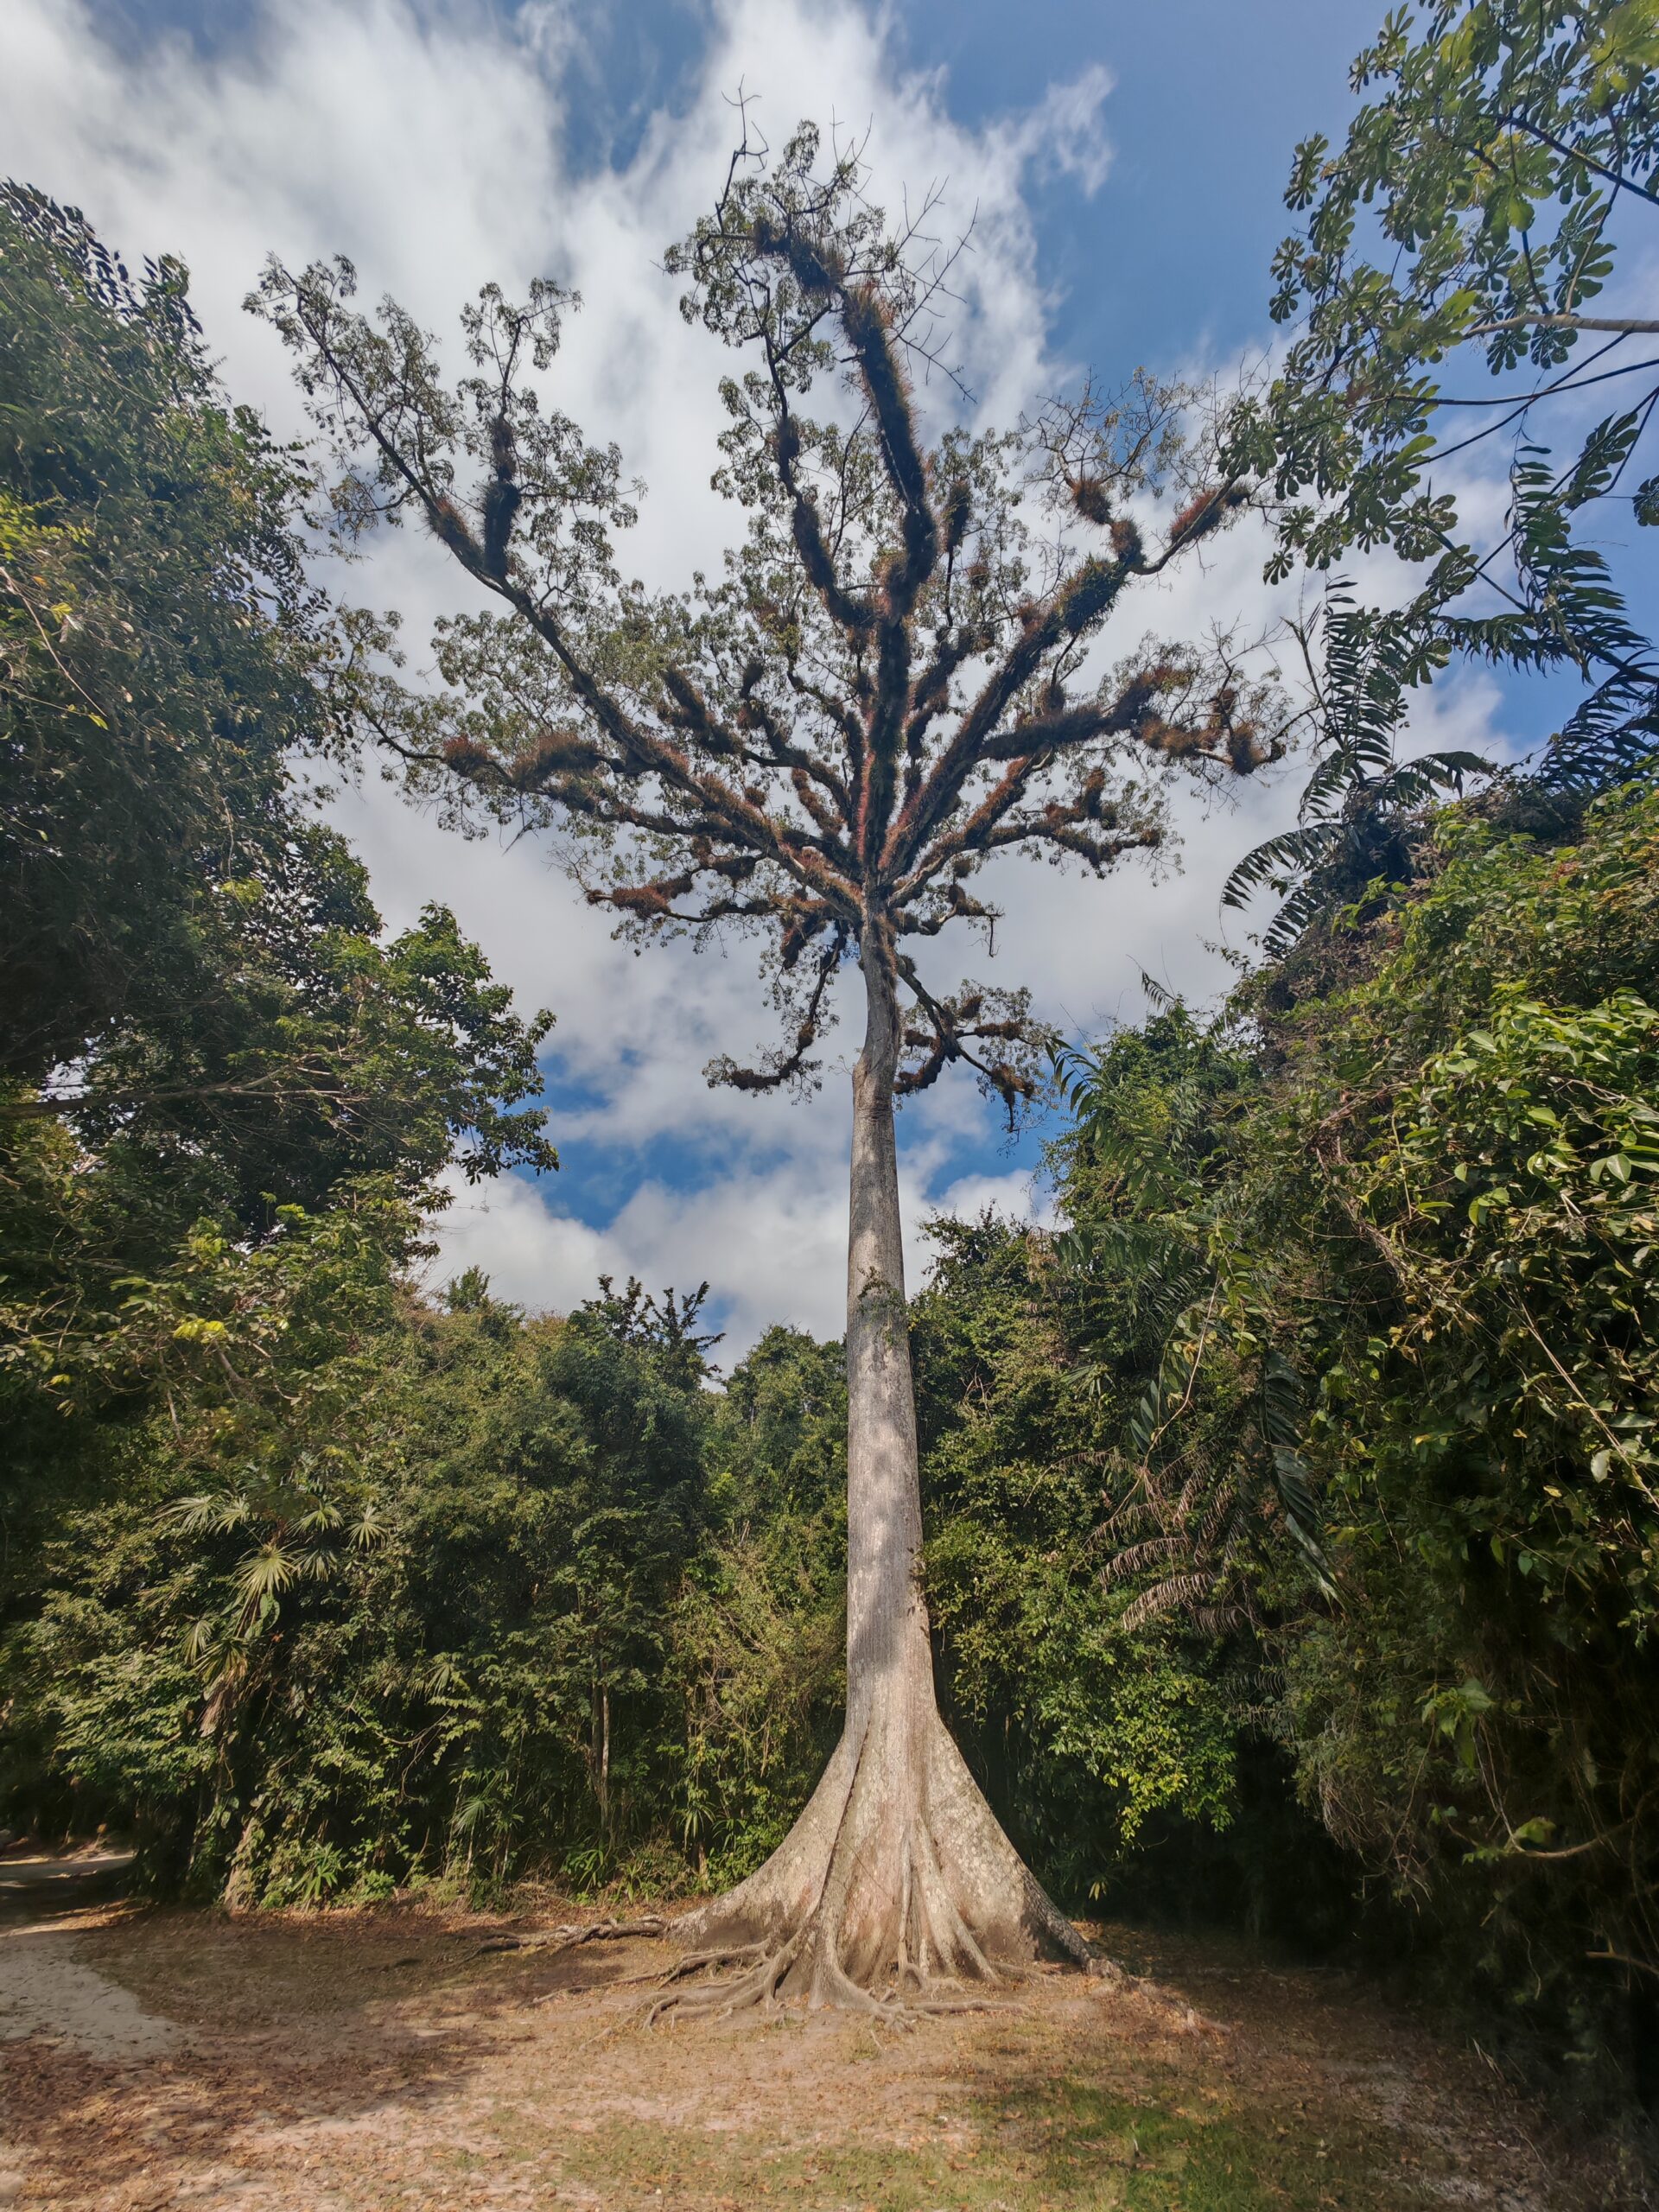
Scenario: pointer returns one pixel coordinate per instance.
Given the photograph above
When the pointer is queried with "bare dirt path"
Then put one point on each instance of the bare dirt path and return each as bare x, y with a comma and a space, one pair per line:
363, 2063
36, 1885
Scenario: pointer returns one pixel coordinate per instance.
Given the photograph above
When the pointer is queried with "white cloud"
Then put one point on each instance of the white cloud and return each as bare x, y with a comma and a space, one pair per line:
779, 1237
1066, 135
533, 1254
427, 141
1016, 1197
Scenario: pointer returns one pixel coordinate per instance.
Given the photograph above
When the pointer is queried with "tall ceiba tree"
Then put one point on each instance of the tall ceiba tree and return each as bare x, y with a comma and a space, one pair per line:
896, 680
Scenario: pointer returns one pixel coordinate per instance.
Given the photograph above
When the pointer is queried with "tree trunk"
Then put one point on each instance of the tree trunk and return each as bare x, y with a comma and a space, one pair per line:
897, 1877
605, 1762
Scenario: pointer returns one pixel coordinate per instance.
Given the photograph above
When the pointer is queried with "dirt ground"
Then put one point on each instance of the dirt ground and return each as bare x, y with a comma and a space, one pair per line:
372, 2061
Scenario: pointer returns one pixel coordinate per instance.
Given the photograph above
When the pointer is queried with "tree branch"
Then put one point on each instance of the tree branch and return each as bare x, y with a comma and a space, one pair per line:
792, 1064
1627, 326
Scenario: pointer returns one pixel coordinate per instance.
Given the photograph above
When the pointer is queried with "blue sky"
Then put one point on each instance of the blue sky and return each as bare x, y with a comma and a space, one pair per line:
1126, 162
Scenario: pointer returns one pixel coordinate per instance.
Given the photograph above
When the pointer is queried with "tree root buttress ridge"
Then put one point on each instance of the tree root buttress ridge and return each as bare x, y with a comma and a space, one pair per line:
896, 1889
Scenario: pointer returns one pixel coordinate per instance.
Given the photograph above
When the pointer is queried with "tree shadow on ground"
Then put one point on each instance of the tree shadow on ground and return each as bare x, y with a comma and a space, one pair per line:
287, 2024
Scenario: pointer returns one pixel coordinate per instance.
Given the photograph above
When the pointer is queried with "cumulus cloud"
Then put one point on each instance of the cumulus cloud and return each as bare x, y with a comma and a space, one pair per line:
1066, 134
535, 1255
427, 140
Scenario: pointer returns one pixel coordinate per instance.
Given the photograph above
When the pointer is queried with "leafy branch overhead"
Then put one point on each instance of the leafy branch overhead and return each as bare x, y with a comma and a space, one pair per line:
1472, 222
895, 678
1361, 807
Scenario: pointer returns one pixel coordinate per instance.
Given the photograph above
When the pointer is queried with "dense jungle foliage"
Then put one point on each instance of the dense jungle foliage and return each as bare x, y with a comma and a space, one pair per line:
1292, 1507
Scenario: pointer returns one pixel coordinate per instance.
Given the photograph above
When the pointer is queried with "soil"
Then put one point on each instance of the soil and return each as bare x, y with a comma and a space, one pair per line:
369, 2060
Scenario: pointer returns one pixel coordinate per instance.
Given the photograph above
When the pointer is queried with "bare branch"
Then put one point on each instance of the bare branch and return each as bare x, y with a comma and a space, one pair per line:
790, 1066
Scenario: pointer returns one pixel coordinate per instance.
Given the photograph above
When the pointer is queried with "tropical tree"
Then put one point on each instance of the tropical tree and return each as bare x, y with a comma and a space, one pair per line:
1361, 803
201, 1022
1454, 286
896, 680
163, 660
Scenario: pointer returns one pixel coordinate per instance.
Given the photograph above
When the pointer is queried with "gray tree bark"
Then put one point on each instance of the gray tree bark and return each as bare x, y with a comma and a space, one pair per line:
897, 1880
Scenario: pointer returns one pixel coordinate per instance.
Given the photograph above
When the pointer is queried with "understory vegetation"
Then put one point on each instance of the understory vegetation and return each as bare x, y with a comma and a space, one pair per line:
1292, 1505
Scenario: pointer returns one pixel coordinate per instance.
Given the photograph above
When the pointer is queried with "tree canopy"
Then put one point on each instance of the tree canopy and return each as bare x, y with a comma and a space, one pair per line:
208, 1039
1474, 220
893, 680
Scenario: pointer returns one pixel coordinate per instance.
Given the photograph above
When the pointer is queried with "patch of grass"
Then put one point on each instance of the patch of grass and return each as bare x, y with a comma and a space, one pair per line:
1192, 2150
1064, 2146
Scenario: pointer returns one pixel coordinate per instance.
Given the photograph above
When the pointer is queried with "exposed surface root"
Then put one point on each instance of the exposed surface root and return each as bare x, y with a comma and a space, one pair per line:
566, 1938
896, 1892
